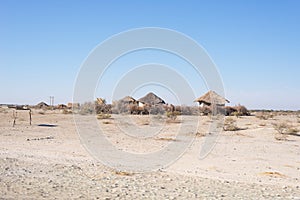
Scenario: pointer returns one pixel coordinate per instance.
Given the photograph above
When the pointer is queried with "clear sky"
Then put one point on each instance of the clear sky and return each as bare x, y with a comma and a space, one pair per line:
255, 45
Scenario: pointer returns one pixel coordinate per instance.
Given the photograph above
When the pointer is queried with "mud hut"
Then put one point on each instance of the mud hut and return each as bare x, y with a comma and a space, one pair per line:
123, 105
155, 104
211, 102
42, 105
152, 99
128, 100
211, 98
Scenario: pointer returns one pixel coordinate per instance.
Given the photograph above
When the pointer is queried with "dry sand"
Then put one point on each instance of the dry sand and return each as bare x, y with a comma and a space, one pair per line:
39, 162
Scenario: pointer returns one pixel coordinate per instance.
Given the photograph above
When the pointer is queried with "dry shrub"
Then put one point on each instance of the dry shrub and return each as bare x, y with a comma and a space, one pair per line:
172, 115
230, 125
103, 108
241, 110
188, 110
292, 131
280, 127
87, 108
103, 116
123, 173
200, 134
144, 122
66, 111
265, 115
107, 122
273, 174
283, 130
157, 110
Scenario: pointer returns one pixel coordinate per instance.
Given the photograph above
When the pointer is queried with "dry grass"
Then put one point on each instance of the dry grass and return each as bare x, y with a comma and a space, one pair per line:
265, 116
173, 121
172, 115
166, 139
292, 131
123, 173
66, 111
284, 129
107, 122
200, 134
144, 122
280, 127
262, 124
3, 110
103, 116
273, 174
230, 125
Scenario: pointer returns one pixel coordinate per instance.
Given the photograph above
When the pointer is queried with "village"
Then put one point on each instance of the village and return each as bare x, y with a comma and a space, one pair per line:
44, 153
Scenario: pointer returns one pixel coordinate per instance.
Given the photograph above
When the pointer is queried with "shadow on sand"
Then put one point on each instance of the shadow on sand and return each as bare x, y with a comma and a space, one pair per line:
47, 125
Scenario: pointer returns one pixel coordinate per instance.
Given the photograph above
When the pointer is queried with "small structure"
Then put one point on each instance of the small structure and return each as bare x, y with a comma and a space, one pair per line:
152, 99
128, 100
123, 105
211, 98
211, 102
42, 105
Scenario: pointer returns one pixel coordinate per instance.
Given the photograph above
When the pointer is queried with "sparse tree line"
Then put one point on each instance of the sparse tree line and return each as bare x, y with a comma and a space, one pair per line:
121, 107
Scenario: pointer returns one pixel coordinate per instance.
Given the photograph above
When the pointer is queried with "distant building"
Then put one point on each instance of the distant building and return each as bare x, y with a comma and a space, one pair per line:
211, 98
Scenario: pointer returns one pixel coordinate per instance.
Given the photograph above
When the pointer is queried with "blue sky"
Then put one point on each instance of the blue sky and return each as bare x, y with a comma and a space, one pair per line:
255, 45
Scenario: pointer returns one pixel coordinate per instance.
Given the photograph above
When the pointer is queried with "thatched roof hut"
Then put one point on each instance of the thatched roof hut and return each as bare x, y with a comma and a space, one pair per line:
210, 98
152, 99
128, 99
123, 105
42, 105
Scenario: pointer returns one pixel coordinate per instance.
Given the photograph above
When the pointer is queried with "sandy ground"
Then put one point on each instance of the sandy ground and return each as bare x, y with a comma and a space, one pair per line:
50, 162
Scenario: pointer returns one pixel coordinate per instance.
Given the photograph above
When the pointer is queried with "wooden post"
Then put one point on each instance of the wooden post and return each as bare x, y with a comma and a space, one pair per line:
14, 117
30, 117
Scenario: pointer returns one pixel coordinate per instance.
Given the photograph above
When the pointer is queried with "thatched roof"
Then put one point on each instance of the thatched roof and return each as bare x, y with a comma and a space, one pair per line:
210, 98
128, 99
41, 105
152, 99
